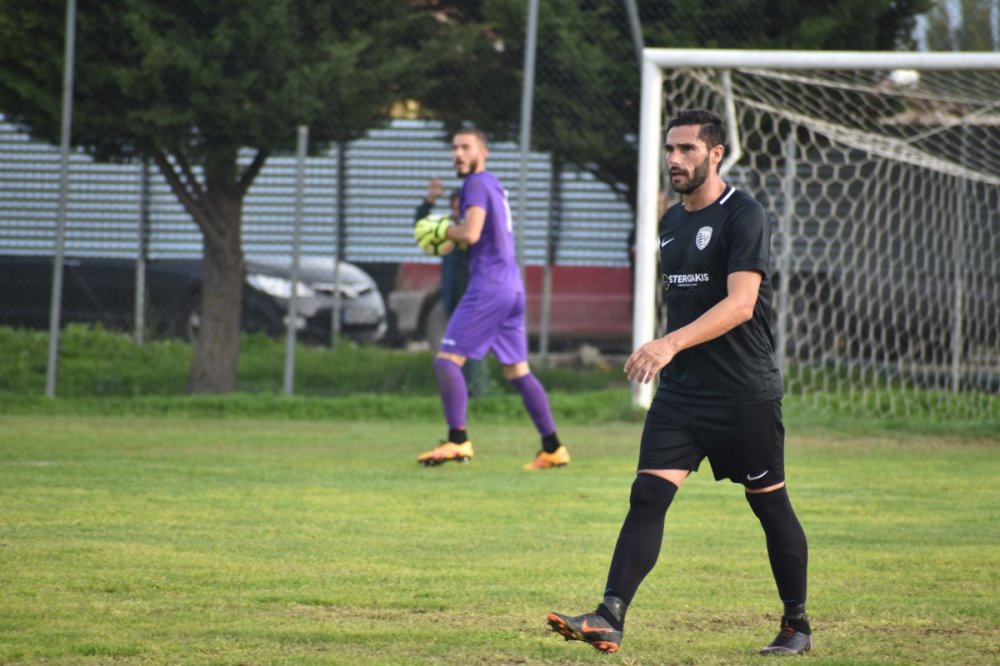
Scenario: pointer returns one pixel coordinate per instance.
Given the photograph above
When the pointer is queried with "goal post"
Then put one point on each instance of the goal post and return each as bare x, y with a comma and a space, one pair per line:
881, 174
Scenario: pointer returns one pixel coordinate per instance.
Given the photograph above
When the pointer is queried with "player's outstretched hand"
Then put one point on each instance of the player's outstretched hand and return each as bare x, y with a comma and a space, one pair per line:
434, 190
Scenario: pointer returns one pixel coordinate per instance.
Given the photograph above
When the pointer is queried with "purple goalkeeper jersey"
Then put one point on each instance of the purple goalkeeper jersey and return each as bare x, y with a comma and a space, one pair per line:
492, 264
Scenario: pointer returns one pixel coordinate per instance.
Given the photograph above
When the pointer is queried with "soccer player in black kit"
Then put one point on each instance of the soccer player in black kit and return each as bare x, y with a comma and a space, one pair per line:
720, 389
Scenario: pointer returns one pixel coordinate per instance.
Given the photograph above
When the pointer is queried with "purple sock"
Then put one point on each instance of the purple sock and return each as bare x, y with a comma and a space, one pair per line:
454, 394
536, 402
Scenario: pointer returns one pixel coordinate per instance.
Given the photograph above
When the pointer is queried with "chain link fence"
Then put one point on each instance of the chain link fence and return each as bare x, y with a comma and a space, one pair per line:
134, 247
380, 111
358, 204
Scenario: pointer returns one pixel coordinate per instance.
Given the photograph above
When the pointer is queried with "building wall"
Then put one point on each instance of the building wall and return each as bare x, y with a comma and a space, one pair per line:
386, 177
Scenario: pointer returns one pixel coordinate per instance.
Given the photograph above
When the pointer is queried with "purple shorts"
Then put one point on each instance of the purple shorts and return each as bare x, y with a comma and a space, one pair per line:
486, 320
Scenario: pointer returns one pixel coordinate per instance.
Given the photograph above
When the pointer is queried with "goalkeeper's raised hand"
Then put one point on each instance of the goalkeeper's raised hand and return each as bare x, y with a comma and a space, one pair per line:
430, 230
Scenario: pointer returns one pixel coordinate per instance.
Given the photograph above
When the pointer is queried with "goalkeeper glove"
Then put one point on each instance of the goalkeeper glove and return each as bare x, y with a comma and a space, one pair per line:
430, 230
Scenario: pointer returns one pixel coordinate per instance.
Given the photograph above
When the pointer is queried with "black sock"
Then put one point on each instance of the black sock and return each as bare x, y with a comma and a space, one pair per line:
612, 609
641, 537
550, 443
795, 617
787, 551
457, 436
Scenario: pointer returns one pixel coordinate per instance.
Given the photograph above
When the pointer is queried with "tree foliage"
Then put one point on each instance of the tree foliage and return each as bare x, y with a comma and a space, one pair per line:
587, 81
191, 84
962, 25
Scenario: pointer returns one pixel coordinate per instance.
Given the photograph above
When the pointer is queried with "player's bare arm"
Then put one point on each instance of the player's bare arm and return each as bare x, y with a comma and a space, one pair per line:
470, 229
735, 309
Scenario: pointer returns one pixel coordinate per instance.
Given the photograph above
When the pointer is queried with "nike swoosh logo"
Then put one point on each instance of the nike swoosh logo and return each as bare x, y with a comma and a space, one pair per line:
666, 242
589, 629
758, 477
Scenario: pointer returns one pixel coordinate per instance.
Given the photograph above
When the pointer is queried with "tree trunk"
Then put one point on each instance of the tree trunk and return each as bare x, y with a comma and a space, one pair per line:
217, 348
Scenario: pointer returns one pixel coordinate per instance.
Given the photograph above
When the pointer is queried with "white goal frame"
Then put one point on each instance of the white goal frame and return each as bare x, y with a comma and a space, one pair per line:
651, 126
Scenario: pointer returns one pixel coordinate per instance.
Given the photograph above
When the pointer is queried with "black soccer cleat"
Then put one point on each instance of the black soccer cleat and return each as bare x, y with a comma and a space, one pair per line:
789, 641
590, 628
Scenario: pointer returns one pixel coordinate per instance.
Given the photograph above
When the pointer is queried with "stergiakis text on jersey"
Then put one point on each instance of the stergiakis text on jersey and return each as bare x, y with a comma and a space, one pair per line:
684, 279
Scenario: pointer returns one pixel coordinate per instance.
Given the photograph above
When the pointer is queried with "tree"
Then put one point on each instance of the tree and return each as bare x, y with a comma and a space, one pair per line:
963, 25
195, 85
587, 82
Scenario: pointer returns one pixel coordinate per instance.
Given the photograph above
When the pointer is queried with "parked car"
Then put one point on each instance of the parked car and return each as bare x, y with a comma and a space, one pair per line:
102, 290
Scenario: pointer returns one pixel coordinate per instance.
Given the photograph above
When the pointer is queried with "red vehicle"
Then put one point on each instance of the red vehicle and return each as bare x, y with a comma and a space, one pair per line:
589, 305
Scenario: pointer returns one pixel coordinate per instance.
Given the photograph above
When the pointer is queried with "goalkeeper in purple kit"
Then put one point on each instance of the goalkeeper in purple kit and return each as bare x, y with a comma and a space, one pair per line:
490, 315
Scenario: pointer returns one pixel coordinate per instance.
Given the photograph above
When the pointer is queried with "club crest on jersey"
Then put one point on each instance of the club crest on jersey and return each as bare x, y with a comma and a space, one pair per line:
703, 237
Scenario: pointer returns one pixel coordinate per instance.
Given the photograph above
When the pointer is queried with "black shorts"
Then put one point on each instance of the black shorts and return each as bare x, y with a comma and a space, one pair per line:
743, 443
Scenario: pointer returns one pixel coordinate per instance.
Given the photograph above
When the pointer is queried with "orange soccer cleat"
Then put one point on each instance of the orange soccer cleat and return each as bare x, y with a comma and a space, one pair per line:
447, 451
544, 460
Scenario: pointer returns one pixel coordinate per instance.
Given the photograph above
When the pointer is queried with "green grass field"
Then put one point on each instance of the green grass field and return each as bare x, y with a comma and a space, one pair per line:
145, 540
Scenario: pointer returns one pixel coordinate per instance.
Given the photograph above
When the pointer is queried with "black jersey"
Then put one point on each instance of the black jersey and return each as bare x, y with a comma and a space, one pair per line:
698, 251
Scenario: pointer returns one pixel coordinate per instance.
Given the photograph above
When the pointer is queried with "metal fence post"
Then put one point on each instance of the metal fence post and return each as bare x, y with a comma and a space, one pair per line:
527, 103
293, 299
142, 252
57, 267
785, 253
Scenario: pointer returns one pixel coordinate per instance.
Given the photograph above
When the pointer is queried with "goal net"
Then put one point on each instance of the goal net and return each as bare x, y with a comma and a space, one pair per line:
881, 174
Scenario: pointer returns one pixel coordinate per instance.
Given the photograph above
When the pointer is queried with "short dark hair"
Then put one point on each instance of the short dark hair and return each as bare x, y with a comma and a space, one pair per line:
712, 131
474, 131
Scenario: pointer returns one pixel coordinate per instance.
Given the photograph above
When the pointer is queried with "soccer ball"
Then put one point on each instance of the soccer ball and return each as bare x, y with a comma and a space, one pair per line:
438, 248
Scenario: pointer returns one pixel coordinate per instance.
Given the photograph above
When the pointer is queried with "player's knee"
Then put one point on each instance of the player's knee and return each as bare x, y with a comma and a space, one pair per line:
445, 357
773, 505
515, 370
651, 492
